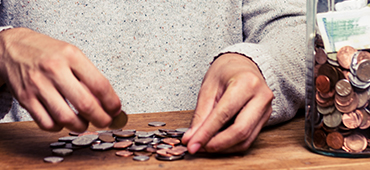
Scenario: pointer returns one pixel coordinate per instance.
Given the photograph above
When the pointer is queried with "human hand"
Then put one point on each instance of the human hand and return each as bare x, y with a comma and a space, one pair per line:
43, 72
233, 86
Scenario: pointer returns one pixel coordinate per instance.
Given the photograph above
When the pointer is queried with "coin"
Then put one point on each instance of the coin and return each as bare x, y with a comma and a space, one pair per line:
163, 152
57, 144
325, 110
119, 121
355, 142
144, 153
106, 137
122, 144
62, 151
102, 146
124, 153
182, 129
88, 133
170, 158
363, 55
330, 72
53, 159
333, 119
178, 150
67, 138
175, 134
353, 119
320, 55
363, 70
351, 107
344, 56
335, 140
319, 138
143, 141
343, 87
164, 146
137, 147
171, 141
84, 140
124, 134
363, 98
156, 124
141, 158
150, 149
322, 84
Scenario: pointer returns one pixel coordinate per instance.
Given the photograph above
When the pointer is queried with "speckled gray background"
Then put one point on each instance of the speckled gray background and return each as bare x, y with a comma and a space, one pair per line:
155, 53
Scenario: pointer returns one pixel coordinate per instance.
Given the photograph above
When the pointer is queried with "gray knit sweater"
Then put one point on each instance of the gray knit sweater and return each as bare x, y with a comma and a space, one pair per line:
155, 53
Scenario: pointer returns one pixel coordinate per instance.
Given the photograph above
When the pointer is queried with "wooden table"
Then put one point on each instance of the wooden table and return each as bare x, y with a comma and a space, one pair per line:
23, 146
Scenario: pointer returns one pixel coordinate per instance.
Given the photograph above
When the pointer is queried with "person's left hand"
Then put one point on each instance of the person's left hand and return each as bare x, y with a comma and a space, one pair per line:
232, 87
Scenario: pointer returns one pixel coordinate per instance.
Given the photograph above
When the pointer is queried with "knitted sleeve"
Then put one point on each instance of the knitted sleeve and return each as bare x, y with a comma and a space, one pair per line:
274, 38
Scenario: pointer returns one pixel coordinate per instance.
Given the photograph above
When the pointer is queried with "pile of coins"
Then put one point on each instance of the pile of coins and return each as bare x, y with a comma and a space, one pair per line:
342, 115
164, 143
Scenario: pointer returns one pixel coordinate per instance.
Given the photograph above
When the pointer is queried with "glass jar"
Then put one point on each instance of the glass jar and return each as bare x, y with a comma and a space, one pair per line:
337, 120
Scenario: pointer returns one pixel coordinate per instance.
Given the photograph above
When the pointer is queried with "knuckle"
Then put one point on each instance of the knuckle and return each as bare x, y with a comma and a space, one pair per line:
86, 106
65, 119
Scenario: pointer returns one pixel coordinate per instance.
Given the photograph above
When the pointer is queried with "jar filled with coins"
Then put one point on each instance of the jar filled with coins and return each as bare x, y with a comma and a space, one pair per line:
337, 121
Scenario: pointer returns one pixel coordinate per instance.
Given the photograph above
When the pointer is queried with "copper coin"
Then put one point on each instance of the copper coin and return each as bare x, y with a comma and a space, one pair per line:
122, 144
150, 149
53, 159
319, 139
156, 124
344, 56
124, 153
355, 142
363, 70
178, 150
106, 137
124, 134
351, 107
169, 158
88, 133
335, 140
119, 121
366, 122
323, 84
343, 101
163, 152
333, 119
320, 56
330, 72
328, 95
343, 87
171, 141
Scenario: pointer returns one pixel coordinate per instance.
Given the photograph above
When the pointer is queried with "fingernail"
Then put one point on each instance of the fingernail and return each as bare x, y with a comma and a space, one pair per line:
194, 148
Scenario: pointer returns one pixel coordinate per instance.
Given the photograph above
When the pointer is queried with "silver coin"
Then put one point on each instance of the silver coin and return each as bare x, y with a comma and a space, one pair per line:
67, 138
182, 129
143, 141
62, 151
164, 146
363, 70
137, 147
357, 83
325, 110
85, 140
156, 124
53, 159
332, 62
141, 158
155, 141
142, 134
120, 139
102, 146
57, 144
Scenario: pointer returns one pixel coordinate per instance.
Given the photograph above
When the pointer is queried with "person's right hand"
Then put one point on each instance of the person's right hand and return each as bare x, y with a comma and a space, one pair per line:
43, 72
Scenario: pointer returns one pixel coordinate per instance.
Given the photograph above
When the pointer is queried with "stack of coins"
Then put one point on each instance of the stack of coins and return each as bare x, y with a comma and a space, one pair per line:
341, 119
140, 145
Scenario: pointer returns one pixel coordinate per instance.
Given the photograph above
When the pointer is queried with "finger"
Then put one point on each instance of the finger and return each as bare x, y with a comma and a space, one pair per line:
96, 82
205, 104
57, 107
245, 129
230, 103
81, 98
39, 114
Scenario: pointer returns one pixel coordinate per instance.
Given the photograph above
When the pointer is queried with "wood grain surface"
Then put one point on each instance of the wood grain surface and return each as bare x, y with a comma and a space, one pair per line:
23, 146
